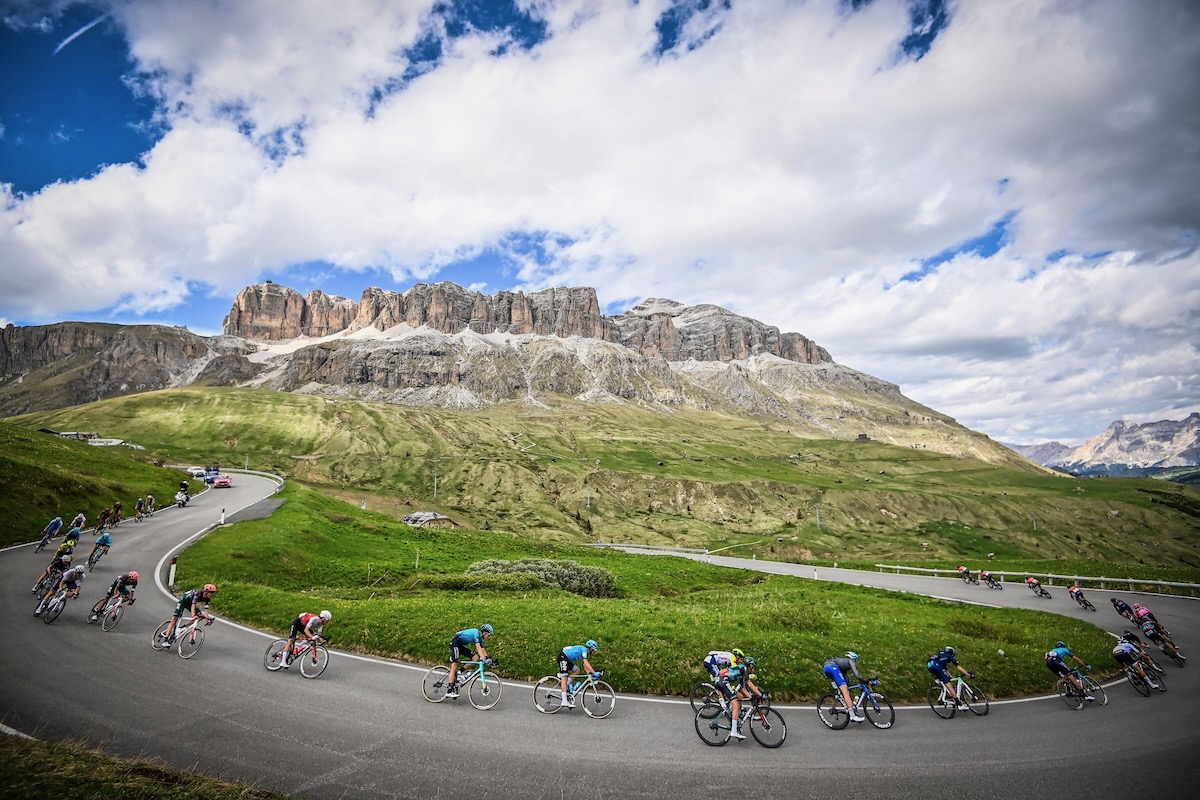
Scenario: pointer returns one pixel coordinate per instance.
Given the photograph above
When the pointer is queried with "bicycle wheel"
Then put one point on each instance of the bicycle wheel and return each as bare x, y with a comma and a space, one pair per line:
1088, 605
1137, 683
191, 642
547, 695
832, 712
1148, 661
435, 683
1069, 694
1096, 690
1177, 657
767, 727
879, 710
943, 708
712, 725
314, 662
702, 693
54, 608
1045, 594
599, 700
1159, 684
975, 699
159, 640
485, 692
112, 617
273, 658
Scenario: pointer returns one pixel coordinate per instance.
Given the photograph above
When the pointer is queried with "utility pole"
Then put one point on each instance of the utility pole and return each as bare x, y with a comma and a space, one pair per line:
1033, 517
818, 515
435, 477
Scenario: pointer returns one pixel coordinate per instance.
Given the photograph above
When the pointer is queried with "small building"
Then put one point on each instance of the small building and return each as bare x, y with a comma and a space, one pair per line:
862, 437
429, 519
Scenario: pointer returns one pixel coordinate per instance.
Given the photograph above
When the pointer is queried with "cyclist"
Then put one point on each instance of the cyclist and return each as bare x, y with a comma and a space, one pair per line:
937, 666
60, 563
149, 505
102, 519
67, 547
1127, 654
1076, 594
963, 572
835, 669
79, 521
717, 660
568, 664
191, 603
985, 576
124, 585
735, 683
1034, 584
104, 541
1122, 608
1054, 663
70, 580
1158, 635
139, 508
52, 528
461, 645
310, 626
116, 513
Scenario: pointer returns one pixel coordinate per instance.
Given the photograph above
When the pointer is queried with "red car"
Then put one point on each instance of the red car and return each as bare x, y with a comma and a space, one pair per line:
222, 482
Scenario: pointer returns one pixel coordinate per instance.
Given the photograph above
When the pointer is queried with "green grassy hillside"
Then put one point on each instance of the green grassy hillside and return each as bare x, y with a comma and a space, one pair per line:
587, 472
43, 476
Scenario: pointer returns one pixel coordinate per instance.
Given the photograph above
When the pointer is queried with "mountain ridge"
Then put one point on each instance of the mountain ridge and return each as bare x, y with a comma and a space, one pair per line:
1126, 448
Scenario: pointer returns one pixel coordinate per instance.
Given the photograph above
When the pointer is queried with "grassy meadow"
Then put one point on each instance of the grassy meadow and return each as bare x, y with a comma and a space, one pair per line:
580, 472
400, 591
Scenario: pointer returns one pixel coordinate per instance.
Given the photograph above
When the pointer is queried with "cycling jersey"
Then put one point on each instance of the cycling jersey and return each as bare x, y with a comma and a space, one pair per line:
1126, 653
73, 577
74, 534
1072, 590
716, 660
54, 526
140, 504
937, 665
463, 643
1151, 630
104, 540
65, 549
123, 585
191, 598
58, 564
300, 625
79, 521
836, 668
575, 653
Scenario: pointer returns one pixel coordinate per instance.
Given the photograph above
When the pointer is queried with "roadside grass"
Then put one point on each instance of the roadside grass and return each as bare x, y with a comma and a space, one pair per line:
316, 552
569, 471
43, 476
36, 770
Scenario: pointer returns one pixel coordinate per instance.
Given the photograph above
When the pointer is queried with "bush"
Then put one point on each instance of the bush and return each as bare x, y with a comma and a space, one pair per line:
569, 576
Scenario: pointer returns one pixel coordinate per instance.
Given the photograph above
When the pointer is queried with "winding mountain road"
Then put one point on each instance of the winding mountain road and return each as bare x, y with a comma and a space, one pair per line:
363, 730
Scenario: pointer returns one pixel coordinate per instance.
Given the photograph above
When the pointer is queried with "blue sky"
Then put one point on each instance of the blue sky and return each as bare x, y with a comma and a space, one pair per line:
991, 204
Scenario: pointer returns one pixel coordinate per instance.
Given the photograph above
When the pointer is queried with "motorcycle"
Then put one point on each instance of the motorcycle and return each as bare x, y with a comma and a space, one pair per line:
181, 498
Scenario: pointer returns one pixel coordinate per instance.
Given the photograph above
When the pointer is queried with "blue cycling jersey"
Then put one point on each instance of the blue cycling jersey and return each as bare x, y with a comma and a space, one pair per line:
469, 636
575, 653
104, 540
1058, 654
941, 660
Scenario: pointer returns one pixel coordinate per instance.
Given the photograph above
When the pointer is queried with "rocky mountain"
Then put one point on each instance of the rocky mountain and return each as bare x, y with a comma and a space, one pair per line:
440, 345
1126, 448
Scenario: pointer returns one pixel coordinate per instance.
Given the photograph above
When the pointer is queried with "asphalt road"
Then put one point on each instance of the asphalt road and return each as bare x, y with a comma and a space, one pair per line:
363, 730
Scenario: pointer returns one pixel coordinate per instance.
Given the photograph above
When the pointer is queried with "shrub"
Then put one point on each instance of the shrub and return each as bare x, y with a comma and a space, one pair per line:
569, 576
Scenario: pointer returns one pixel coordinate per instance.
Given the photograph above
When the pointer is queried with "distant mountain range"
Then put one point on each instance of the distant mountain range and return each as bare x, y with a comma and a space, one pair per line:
1126, 448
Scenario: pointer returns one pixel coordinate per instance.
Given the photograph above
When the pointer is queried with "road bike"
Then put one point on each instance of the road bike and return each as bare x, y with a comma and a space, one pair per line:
311, 655
1039, 590
993, 583
1143, 686
595, 696
1084, 602
943, 704
702, 693
714, 722
873, 705
967, 577
1075, 698
94, 558
46, 537
109, 611
1171, 651
50, 579
189, 636
483, 686
53, 605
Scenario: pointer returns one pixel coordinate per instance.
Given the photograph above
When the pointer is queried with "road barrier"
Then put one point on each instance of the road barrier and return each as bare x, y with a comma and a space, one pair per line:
1082, 581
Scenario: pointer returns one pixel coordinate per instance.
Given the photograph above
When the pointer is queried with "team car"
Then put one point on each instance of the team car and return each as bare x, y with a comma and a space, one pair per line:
222, 481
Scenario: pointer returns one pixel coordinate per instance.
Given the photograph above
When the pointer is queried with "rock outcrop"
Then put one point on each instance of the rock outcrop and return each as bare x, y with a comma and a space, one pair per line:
269, 311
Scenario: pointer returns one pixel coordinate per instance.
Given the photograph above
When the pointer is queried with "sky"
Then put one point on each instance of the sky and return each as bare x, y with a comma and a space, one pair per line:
993, 205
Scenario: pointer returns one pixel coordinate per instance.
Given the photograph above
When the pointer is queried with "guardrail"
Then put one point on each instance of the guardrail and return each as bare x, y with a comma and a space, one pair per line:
660, 547
1083, 581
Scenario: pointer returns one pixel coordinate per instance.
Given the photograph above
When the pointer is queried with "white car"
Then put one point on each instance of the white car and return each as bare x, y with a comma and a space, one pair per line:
196, 472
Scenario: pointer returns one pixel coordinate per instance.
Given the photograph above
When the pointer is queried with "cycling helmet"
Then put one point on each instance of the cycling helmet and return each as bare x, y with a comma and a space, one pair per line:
751, 664
66, 558
949, 650
325, 615
488, 629
590, 644
1137, 605
133, 576
1128, 633
853, 656
738, 654
73, 533
1060, 644
210, 588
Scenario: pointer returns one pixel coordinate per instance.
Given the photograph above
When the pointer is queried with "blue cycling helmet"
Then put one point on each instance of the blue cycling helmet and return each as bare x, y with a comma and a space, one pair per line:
487, 629
853, 656
73, 533
1060, 644
590, 644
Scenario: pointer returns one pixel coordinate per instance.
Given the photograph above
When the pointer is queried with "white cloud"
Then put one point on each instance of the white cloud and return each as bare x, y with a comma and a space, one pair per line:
788, 168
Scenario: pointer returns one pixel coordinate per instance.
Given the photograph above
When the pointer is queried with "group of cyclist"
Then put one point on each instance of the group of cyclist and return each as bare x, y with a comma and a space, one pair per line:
1152, 629
985, 576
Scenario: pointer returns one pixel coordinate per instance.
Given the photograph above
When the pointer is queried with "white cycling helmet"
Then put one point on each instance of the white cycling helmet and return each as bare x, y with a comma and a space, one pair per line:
853, 656
325, 615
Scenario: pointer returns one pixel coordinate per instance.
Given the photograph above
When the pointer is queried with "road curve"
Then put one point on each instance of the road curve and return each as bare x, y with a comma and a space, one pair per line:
362, 730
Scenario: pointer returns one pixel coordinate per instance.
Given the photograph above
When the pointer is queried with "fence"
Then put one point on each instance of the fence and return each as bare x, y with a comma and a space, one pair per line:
1083, 581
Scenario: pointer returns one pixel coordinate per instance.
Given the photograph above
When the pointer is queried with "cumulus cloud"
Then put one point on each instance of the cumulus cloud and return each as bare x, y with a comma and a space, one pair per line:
785, 160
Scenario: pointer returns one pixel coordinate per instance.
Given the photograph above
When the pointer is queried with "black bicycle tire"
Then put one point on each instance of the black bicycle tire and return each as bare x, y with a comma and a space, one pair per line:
1067, 691
764, 723
156, 640
1137, 682
115, 615
933, 696
975, 698
53, 610
708, 721
694, 695
434, 683
598, 700
193, 641
480, 694
547, 694
881, 707
273, 655
1096, 690
314, 661
832, 712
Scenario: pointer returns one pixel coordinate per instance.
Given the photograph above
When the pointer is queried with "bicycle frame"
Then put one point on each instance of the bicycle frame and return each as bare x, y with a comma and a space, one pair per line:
476, 673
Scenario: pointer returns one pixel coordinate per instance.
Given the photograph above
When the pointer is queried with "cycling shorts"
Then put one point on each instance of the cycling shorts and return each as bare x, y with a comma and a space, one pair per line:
834, 674
1057, 667
938, 671
727, 689
1124, 657
297, 628
460, 649
565, 665
713, 666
